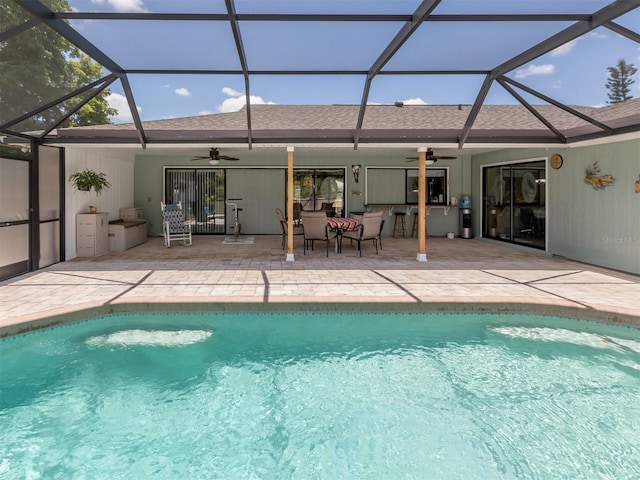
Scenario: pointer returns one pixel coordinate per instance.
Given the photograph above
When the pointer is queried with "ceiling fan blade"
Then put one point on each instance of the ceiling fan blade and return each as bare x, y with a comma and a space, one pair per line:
428, 159
224, 157
445, 158
200, 158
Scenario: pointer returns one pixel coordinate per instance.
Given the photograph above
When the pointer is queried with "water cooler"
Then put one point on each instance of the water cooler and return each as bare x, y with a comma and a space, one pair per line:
466, 228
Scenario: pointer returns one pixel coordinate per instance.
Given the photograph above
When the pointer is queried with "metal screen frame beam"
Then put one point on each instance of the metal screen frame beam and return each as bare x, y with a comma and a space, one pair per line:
237, 37
111, 78
624, 31
422, 12
55, 102
323, 17
12, 32
45, 15
599, 18
533, 111
562, 106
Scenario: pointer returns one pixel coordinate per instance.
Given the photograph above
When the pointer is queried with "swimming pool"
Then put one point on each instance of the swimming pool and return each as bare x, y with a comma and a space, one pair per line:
321, 395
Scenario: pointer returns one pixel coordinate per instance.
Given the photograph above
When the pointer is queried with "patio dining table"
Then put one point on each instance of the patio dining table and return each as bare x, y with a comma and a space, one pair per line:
341, 225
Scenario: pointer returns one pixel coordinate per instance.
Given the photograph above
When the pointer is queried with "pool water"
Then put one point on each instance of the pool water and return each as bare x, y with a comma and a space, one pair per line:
321, 396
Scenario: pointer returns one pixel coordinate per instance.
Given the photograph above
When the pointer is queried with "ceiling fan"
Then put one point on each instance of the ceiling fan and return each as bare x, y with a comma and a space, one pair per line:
431, 158
214, 157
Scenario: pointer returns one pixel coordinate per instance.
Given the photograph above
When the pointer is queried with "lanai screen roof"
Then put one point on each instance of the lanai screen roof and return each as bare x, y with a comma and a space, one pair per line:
339, 60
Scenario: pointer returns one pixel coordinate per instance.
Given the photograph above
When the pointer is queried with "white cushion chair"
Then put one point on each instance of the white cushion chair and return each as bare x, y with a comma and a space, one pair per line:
174, 226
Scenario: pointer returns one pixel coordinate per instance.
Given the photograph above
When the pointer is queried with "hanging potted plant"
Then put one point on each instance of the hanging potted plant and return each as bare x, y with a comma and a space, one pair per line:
86, 180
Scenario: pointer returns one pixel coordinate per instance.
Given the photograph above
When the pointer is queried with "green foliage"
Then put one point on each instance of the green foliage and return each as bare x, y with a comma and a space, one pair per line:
39, 66
620, 80
96, 112
88, 179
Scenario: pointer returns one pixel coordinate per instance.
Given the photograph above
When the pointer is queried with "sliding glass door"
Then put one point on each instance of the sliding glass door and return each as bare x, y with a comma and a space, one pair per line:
514, 204
202, 193
319, 190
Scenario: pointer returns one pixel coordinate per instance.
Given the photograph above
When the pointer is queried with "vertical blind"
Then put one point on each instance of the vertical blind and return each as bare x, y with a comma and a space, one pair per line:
201, 192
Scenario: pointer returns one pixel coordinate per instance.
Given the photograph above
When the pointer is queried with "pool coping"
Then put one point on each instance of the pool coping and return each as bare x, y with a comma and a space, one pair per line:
84, 312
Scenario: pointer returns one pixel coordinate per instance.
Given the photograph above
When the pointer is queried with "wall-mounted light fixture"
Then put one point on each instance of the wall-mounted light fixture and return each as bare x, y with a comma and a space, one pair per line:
356, 172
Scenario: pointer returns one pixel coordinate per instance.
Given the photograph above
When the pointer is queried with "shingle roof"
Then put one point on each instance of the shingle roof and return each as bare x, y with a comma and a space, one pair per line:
382, 123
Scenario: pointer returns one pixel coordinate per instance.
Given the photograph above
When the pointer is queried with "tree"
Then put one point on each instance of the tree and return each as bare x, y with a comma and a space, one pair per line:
39, 66
97, 111
620, 80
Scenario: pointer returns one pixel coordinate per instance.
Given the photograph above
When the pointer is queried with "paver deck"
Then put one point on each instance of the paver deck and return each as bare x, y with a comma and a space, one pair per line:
461, 274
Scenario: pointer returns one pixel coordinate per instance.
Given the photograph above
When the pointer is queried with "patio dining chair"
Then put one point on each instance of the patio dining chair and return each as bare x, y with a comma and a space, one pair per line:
314, 226
174, 226
369, 229
297, 229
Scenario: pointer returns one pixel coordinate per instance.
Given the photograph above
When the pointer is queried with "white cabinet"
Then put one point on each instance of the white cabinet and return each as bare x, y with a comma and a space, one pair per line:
92, 234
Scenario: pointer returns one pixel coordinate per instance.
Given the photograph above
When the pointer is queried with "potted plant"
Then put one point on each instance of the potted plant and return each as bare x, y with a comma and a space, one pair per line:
88, 179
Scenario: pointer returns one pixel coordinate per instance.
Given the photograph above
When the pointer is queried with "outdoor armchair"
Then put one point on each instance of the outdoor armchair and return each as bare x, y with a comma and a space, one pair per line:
297, 229
314, 226
369, 229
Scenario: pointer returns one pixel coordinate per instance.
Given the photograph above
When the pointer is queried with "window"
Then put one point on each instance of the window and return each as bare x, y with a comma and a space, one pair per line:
317, 190
437, 182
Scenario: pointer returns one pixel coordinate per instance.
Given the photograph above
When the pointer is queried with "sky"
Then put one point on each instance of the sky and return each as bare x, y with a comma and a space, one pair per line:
575, 73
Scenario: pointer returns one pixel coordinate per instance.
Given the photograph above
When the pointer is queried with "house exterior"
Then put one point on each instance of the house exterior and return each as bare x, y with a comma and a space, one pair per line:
501, 183
598, 226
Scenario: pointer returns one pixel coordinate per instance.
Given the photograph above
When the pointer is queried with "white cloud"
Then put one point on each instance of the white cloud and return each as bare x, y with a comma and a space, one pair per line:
122, 6
595, 34
231, 92
205, 112
557, 84
183, 92
532, 69
237, 100
414, 101
119, 102
565, 49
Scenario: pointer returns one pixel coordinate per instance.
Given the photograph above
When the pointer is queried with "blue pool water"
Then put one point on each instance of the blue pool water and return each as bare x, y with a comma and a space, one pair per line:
321, 396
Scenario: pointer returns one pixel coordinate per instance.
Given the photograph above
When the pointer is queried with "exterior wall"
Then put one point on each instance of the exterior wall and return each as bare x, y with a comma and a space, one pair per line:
118, 167
599, 227
262, 191
259, 179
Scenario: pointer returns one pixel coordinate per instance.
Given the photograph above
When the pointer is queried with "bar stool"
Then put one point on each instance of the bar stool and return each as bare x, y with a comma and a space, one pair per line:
414, 230
399, 224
